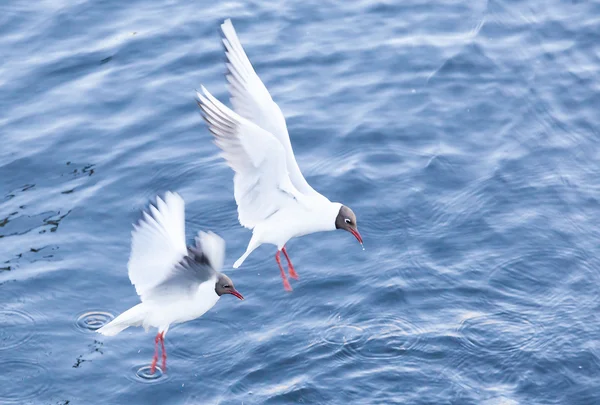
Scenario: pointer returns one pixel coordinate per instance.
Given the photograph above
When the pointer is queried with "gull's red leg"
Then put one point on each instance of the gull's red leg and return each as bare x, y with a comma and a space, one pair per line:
286, 283
155, 358
291, 270
164, 352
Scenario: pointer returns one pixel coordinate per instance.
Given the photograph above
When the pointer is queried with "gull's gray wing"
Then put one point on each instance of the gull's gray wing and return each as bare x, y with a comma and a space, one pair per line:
197, 267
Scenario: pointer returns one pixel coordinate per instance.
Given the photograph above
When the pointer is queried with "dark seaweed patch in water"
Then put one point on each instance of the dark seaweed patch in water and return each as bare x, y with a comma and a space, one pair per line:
29, 256
85, 170
95, 350
26, 223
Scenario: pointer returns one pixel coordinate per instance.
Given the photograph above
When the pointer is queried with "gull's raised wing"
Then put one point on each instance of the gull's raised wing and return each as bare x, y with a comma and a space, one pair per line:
251, 100
261, 182
212, 246
157, 243
200, 265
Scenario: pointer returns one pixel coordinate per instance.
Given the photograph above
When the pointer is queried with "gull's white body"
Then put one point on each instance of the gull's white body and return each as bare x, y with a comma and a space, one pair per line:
161, 315
169, 292
273, 197
290, 222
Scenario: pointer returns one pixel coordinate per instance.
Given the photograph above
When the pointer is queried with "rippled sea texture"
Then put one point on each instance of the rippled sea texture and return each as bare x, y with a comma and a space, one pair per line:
464, 134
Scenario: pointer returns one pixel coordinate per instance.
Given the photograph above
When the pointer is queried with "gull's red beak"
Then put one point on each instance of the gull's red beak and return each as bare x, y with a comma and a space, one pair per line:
356, 235
235, 293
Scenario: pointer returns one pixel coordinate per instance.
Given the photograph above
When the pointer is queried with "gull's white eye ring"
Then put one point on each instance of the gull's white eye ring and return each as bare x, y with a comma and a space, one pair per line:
347, 220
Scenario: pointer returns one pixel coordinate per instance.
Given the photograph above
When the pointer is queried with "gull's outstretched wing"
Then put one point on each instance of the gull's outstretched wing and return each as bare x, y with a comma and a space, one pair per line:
251, 100
161, 266
261, 182
157, 243
199, 266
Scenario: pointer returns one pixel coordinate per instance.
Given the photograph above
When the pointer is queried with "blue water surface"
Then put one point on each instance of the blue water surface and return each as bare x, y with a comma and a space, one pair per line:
464, 134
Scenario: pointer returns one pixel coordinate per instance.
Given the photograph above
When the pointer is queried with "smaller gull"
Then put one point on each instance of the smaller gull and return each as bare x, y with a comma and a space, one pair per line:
176, 283
273, 197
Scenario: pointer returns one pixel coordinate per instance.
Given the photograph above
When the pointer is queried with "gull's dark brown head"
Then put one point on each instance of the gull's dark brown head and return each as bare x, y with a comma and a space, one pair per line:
224, 285
346, 220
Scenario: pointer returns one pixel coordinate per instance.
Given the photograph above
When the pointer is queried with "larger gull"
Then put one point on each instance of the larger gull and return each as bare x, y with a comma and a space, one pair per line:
274, 199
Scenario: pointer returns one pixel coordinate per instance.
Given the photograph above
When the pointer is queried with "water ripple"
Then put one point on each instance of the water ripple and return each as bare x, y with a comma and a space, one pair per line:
93, 320
22, 380
501, 332
343, 335
17, 328
519, 276
142, 374
388, 337
204, 339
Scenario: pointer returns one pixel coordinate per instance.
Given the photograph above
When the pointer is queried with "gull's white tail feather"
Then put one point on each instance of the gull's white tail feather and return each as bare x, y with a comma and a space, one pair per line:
132, 317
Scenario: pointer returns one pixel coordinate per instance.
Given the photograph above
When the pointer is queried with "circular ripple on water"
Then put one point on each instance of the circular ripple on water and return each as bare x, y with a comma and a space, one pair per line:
515, 276
203, 339
389, 338
142, 374
502, 332
93, 320
22, 380
17, 328
340, 335
343, 340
